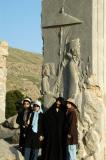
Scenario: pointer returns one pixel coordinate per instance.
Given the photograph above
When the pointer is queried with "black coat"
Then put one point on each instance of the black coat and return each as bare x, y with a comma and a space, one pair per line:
54, 145
22, 123
32, 138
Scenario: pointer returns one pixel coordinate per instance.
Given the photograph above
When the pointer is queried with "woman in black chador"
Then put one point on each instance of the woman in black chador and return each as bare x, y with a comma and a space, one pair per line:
54, 141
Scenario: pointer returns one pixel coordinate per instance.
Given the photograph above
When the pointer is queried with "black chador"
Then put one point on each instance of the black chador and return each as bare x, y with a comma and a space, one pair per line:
54, 142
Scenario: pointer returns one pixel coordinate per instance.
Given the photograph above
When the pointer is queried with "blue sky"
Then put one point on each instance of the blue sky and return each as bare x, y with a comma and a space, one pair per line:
20, 24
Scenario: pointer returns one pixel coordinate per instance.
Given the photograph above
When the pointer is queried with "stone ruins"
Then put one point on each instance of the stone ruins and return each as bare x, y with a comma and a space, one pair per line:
74, 50
3, 74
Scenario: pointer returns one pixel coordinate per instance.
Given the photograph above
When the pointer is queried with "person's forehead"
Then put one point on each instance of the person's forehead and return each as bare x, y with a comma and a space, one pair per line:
68, 102
26, 102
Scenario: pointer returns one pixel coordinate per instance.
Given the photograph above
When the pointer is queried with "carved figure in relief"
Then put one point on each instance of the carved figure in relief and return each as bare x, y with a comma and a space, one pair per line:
48, 75
71, 68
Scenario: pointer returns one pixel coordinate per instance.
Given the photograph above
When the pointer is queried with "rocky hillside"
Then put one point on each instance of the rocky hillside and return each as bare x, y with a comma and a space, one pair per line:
24, 72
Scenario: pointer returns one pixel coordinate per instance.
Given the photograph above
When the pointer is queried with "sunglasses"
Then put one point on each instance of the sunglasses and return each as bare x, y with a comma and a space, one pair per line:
35, 105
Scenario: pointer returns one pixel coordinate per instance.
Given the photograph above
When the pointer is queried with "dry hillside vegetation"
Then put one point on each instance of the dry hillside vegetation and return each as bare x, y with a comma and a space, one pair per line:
24, 72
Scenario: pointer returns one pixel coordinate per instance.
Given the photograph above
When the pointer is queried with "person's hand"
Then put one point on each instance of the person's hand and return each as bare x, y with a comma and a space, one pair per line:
69, 136
41, 138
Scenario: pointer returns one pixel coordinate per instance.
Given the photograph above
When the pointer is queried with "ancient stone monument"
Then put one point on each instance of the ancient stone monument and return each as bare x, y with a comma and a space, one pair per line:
3, 74
74, 36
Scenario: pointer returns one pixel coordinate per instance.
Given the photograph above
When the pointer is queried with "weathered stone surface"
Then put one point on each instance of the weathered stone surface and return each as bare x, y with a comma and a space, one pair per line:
3, 74
78, 54
8, 152
91, 124
6, 132
11, 122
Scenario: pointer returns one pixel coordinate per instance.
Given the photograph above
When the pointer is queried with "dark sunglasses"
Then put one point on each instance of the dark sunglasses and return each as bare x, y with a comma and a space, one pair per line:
35, 105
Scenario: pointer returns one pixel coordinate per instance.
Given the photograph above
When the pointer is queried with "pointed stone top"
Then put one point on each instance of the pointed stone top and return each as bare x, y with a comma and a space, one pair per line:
4, 44
62, 19
3, 48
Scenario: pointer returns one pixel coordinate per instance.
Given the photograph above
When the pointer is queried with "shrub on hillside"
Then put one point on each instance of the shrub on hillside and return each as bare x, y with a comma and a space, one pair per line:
13, 102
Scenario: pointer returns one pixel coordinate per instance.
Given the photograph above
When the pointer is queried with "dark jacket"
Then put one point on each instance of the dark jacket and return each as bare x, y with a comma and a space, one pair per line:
54, 145
71, 126
32, 138
20, 117
22, 123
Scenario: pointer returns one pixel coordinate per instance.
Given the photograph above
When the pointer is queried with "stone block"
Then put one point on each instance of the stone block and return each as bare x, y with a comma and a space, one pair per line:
80, 70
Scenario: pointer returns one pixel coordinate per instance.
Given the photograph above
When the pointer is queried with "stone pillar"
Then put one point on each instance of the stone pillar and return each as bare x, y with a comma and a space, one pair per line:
3, 74
99, 49
78, 52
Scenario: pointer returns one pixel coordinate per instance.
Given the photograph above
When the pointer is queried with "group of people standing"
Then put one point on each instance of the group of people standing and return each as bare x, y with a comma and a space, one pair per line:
54, 131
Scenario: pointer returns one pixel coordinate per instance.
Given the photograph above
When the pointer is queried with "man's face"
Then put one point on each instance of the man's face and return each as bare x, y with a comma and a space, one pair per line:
26, 104
58, 103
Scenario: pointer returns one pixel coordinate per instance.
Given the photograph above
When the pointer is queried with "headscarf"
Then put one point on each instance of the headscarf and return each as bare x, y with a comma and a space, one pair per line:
36, 117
